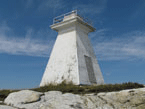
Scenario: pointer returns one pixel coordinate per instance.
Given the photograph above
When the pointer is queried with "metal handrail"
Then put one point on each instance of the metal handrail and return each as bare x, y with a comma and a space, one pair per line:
60, 18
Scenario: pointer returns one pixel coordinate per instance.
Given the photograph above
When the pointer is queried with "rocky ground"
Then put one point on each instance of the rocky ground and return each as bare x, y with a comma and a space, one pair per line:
27, 99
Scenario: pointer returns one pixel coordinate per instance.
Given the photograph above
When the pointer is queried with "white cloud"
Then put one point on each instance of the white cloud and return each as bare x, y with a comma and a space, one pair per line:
129, 46
23, 45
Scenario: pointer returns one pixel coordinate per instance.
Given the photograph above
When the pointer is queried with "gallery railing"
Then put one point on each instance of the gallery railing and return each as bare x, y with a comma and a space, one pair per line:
60, 18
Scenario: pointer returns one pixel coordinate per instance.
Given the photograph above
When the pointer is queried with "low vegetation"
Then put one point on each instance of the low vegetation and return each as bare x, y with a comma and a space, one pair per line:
70, 88
64, 88
4, 93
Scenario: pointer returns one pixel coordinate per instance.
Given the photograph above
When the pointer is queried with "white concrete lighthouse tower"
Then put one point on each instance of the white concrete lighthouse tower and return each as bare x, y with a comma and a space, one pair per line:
72, 58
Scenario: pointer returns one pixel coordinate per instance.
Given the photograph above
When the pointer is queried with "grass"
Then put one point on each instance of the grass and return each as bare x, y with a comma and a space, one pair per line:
5, 93
64, 88
70, 88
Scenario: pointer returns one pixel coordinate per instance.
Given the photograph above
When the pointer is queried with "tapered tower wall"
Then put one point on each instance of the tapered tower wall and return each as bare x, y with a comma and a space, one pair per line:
63, 63
89, 70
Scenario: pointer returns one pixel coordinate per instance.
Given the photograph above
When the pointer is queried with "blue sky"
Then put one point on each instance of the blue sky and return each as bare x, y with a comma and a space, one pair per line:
26, 39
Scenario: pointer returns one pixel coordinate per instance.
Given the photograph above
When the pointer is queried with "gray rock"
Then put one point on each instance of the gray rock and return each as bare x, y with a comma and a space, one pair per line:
18, 99
57, 100
126, 99
6, 107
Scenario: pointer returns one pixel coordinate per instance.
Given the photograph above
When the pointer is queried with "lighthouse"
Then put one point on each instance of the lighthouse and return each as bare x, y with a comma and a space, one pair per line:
72, 58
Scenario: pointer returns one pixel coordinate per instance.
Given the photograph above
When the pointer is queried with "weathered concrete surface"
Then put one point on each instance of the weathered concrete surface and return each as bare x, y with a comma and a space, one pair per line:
67, 60
89, 71
62, 64
126, 99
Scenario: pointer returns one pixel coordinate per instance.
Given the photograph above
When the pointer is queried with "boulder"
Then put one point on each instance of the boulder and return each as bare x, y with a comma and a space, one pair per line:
22, 97
57, 100
125, 99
